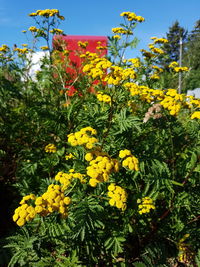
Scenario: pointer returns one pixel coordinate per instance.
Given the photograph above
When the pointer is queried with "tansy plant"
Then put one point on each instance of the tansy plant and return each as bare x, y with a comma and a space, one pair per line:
47, 22
104, 177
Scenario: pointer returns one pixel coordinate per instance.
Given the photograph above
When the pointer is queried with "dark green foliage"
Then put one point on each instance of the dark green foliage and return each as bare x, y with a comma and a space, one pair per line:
173, 46
192, 80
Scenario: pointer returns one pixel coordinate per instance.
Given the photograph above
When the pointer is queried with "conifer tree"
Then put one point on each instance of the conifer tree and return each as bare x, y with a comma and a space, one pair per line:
192, 58
172, 50
172, 47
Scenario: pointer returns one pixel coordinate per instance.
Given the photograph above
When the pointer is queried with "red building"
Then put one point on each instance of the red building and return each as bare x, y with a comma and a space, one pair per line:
76, 45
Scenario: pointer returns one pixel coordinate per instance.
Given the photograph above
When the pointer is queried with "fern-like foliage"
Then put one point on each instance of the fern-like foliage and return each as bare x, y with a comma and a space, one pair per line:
23, 249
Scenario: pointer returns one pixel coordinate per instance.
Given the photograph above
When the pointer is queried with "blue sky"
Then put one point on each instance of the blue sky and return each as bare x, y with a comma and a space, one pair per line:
91, 17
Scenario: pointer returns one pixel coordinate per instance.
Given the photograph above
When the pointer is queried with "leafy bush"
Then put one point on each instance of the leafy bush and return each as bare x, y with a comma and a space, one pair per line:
108, 176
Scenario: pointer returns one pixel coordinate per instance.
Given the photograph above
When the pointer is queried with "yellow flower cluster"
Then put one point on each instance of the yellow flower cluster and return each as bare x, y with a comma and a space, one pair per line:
95, 153
117, 36
83, 138
27, 198
52, 200
103, 97
144, 92
158, 69
66, 178
100, 167
101, 47
172, 101
50, 148
47, 13
195, 115
145, 205
69, 156
4, 48
181, 69
120, 30
159, 40
44, 48
135, 62
129, 161
117, 75
22, 51
33, 29
154, 76
96, 66
118, 196
132, 16
82, 44
192, 102
185, 253
169, 99
173, 64
56, 31
147, 54
156, 50
25, 212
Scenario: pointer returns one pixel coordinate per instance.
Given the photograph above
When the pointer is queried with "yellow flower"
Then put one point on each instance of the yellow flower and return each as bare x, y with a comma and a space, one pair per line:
118, 196
69, 156
33, 29
56, 31
121, 30
135, 62
155, 49
38, 209
39, 201
155, 77
111, 187
132, 16
82, 138
158, 69
124, 153
61, 17
173, 64
112, 202
145, 205
44, 48
159, 40
130, 161
20, 222
117, 36
89, 157
82, 44
67, 200
32, 14
46, 13
50, 148
195, 115
181, 69
15, 217
147, 54
93, 182
103, 97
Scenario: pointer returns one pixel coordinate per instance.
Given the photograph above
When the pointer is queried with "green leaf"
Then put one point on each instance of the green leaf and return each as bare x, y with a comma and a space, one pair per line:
61, 151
